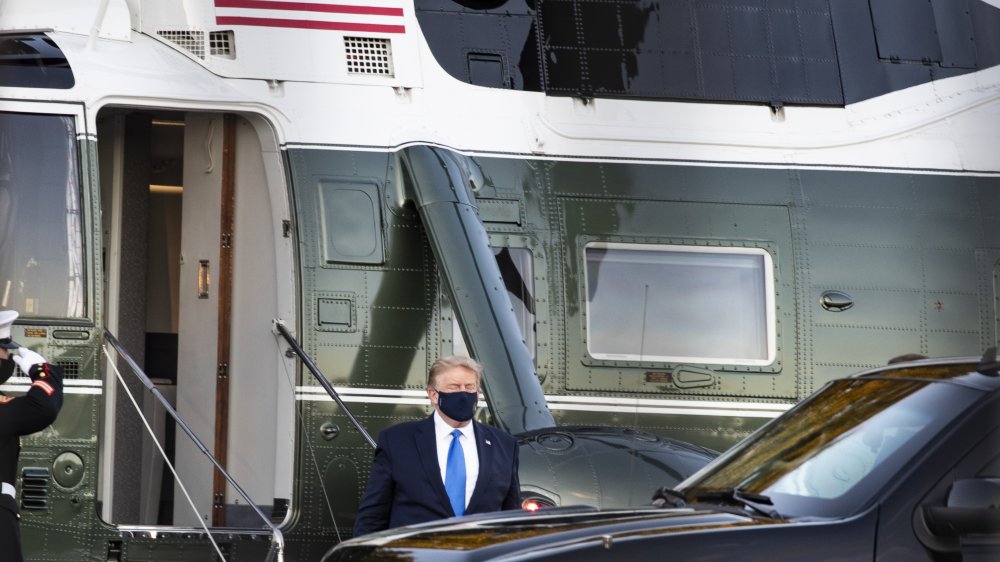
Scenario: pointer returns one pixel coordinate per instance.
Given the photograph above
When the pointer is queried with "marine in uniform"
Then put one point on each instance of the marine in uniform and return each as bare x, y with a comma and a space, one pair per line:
21, 415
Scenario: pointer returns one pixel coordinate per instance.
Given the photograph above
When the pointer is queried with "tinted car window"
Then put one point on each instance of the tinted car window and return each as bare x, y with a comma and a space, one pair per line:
829, 456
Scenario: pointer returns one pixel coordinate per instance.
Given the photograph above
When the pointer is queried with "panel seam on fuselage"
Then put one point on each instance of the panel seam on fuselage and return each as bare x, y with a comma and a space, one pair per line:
563, 402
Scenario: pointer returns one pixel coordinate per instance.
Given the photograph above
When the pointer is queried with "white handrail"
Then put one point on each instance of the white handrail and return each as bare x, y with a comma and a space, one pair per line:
278, 541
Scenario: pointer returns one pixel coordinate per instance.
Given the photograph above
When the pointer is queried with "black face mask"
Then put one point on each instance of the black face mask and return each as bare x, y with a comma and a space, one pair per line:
6, 369
459, 406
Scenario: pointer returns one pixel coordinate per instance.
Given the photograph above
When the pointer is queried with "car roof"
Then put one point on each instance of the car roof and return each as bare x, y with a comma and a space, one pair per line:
982, 373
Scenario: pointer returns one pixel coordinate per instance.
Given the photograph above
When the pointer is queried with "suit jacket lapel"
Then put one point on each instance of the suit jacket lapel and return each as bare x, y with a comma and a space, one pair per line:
485, 453
426, 443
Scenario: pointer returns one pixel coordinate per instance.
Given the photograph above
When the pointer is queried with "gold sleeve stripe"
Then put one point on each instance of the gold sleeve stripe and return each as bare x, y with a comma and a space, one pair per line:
44, 386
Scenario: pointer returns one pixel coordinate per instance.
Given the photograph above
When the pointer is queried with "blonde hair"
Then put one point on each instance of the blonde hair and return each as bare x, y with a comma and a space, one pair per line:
445, 363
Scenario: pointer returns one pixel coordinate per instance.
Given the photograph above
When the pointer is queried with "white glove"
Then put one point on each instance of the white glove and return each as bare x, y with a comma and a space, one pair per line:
25, 358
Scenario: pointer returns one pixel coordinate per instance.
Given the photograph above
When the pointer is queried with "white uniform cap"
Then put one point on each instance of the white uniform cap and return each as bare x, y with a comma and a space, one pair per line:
7, 318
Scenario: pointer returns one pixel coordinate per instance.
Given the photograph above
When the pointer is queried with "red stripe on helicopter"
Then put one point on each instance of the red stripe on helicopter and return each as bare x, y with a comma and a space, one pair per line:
310, 7
310, 24
379, 19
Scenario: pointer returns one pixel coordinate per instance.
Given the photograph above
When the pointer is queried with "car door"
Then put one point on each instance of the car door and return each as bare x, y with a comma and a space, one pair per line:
970, 449
980, 464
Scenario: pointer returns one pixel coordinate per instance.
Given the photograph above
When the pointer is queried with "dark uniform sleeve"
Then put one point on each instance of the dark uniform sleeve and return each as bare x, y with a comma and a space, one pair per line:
38, 408
513, 498
376, 505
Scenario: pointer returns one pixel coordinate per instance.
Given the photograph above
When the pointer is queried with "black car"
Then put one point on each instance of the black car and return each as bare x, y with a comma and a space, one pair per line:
896, 463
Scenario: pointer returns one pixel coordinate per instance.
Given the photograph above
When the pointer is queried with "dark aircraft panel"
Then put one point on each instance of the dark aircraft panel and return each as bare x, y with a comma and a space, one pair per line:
731, 51
892, 55
811, 52
372, 317
916, 42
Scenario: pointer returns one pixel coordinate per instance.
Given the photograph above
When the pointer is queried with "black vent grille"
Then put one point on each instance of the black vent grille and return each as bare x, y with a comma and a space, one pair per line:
71, 369
220, 44
35, 488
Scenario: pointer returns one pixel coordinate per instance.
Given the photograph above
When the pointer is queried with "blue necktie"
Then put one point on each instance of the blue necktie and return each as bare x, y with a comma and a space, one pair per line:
454, 474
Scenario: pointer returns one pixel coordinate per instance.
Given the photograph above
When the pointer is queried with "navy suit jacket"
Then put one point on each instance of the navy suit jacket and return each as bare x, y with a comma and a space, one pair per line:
405, 485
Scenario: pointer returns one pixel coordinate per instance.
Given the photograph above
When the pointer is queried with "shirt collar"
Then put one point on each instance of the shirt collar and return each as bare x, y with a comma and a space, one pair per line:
442, 429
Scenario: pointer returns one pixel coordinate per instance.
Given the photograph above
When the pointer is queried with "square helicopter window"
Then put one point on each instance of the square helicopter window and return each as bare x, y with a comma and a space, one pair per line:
680, 304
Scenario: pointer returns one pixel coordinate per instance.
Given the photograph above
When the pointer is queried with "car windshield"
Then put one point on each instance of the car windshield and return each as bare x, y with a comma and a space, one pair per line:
830, 455
41, 248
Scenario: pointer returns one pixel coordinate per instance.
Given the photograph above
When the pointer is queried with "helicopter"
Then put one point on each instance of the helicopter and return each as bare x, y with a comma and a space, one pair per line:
658, 225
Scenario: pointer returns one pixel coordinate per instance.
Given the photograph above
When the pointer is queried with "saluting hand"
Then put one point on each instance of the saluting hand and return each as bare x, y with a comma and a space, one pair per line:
26, 358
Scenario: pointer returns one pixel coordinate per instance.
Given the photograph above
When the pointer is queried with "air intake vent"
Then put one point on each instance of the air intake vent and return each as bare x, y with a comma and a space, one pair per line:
35, 488
222, 44
71, 369
191, 41
368, 55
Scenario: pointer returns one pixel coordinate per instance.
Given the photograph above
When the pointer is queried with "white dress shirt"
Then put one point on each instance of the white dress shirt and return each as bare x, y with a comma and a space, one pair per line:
442, 434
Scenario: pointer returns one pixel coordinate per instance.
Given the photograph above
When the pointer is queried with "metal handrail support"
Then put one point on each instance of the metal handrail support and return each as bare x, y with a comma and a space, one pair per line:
278, 540
311, 365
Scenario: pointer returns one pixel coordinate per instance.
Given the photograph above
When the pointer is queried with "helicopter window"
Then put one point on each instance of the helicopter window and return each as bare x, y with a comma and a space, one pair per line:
517, 271
33, 61
680, 304
350, 221
41, 246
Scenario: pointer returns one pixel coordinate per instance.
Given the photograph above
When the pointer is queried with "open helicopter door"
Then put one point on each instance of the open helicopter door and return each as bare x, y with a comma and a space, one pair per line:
205, 305
199, 265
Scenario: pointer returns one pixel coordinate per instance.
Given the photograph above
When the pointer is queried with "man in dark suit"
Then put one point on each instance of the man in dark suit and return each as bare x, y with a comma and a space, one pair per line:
444, 465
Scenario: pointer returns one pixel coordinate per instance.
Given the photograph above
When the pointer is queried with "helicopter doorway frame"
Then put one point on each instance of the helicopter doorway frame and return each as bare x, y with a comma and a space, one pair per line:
261, 448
